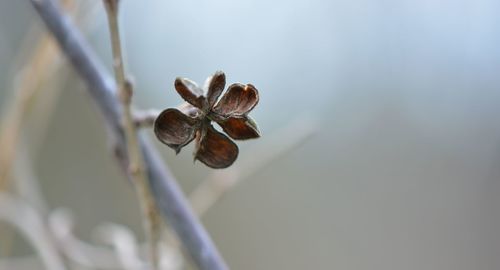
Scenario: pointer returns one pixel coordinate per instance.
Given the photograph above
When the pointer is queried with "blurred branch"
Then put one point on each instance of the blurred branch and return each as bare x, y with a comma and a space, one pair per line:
269, 150
125, 251
61, 225
29, 81
29, 222
26, 87
128, 250
169, 197
27, 183
123, 241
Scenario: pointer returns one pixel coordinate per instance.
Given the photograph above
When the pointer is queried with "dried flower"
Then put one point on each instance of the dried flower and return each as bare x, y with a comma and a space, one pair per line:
178, 127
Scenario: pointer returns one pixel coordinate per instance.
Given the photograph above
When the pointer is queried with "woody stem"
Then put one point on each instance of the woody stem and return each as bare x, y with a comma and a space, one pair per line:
135, 158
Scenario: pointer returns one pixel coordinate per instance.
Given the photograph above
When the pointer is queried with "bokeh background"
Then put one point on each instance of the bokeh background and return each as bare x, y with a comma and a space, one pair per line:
403, 169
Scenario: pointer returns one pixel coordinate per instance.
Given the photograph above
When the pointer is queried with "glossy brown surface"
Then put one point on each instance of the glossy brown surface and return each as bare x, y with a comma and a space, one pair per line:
176, 128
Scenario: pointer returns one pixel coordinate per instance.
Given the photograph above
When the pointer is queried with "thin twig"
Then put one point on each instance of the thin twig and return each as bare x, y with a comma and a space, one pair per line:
145, 118
136, 162
169, 197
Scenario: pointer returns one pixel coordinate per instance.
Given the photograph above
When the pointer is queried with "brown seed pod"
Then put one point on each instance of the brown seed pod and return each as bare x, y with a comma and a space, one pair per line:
176, 128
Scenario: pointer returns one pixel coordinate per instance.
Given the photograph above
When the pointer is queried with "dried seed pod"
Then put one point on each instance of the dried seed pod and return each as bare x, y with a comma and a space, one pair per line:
238, 100
190, 92
216, 150
176, 128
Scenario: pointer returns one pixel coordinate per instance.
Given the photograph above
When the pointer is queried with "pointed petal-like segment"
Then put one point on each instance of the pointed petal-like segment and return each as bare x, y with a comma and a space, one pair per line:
216, 150
240, 128
238, 100
174, 128
189, 110
215, 85
190, 92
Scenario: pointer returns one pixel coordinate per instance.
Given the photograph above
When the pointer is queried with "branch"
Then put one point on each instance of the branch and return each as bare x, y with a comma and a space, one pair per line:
28, 84
169, 197
84, 255
33, 75
78, 252
124, 243
127, 249
145, 119
136, 161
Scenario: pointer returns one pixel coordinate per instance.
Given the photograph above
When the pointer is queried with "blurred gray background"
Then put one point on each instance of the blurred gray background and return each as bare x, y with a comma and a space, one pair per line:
402, 173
